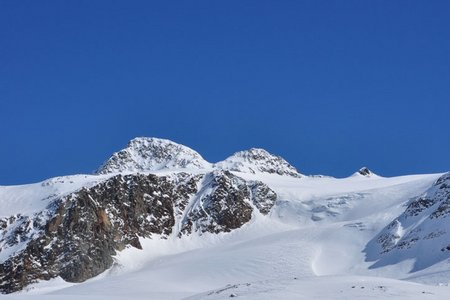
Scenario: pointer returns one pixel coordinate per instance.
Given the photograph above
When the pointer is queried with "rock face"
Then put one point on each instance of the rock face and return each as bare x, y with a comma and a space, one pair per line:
422, 226
225, 203
152, 154
76, 236
365, 172
257, 161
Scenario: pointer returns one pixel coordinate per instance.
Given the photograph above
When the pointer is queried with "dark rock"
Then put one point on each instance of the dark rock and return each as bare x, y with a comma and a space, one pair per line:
364, 171
77, 235
222, 205
419, 205
262, 197
225, 203
86, 229
416, 228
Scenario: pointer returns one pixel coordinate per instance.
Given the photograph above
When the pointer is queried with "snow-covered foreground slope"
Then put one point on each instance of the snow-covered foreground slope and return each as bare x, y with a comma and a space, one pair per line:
310, 246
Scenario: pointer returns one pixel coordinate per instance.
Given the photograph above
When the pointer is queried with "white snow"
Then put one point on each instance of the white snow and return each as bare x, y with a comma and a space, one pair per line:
312, 245
153, 154
146, 154
256, 161
309, 247
32, 198
25, 201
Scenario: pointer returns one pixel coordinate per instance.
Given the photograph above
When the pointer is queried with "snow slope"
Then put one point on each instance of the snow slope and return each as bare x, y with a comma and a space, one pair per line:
31, 198
323, 238
313, 237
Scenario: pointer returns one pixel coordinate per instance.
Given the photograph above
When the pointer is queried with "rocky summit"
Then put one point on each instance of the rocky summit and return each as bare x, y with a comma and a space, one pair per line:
257, 160
152, 154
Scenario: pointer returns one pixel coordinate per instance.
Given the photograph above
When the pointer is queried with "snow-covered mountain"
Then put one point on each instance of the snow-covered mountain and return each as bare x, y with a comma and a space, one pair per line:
158, 221
152, 154
420, 233
257, 161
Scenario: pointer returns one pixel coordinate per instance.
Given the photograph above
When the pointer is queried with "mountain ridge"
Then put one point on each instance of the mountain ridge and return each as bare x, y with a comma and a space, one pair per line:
152, 154
79, 226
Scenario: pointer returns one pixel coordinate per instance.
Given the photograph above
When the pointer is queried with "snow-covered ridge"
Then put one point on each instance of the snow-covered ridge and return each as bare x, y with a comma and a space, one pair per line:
257, 160
153, 154
31, 198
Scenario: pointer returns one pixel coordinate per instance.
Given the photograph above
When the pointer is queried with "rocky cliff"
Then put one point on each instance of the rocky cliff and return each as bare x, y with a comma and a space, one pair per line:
76, 236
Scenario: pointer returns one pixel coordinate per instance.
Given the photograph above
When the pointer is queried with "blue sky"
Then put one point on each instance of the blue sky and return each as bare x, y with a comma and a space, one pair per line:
329, 85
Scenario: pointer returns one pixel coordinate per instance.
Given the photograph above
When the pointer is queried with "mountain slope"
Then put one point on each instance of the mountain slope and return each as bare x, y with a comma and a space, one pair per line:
92, 224
275, 253
421, 232
158, 221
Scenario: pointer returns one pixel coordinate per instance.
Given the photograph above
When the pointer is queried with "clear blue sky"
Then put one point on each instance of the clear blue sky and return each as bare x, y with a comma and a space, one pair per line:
329, 85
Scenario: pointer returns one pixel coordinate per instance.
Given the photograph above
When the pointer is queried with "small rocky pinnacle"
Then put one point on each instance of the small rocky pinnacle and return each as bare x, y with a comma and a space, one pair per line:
364, 171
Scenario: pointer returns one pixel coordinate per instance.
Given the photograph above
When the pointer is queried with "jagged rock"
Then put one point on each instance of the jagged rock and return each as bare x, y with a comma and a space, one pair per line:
224, 203
76, 235
418, 206
365, 172
262, 197
80, 230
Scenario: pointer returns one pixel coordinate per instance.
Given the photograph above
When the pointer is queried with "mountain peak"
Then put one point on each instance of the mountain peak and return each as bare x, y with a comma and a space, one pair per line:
257, 160
152, 154
144, 154
365, 172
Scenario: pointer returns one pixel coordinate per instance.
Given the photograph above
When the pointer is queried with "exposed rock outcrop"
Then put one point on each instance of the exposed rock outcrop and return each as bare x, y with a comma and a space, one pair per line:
365, 172
80, 230
225, 203
77, 235
423, 225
